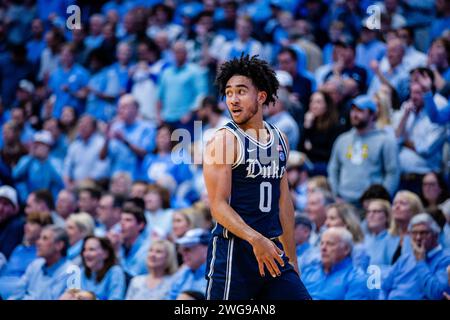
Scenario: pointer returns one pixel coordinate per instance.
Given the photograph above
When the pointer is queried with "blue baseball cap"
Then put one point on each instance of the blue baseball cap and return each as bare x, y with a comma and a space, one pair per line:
194, 237
365, 102
303, 220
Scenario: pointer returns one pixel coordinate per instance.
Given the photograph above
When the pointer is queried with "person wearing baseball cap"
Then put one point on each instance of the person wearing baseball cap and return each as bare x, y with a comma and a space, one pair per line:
36, 169
363, 156
193, 247
11, 224
302, 231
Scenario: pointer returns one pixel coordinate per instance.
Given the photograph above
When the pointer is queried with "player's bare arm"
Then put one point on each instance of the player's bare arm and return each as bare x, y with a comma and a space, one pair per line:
217, 172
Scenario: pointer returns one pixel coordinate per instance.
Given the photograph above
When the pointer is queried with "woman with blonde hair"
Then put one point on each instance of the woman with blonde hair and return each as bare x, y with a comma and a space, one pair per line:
385, 99
406, 205
344, 215
318, 182
376, 240
162, 264
78, 226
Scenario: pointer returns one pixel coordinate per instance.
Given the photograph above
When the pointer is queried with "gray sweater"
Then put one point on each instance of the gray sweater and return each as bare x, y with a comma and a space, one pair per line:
358, 161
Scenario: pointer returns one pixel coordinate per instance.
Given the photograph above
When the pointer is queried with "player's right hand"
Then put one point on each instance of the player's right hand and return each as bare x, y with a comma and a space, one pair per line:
268, 254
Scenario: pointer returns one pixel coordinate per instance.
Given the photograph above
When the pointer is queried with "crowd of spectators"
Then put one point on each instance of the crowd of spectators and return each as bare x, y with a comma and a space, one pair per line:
93, 204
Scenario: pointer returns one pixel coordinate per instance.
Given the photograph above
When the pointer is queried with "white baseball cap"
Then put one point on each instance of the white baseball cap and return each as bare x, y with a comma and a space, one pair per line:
26, 85
445, 208
284, 78
10, 194
43, 136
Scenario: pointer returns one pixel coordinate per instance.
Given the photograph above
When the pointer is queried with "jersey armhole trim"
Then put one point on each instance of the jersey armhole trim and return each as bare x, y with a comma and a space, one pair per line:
283, 142
240, 147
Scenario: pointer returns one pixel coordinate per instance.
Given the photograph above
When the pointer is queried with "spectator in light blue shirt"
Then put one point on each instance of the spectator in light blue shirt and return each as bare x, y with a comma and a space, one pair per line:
58, 150
134, 243
303, 248
182, 86
160, 163
436, 115
392, 67
108, 214
333, 277
376, 240
316, 204
24, 254
157, 211
100, 274
103, 87
122, 66
46, 278
67, 82
78, 226
37, 44
129, 139
369, 49
344, 215
162, 264
420, 140
82, 160
27, 132
95, 37
36, 170
421, 274
193, 247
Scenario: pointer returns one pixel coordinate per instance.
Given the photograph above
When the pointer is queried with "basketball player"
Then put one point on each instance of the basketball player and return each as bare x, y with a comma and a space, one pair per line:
252, 251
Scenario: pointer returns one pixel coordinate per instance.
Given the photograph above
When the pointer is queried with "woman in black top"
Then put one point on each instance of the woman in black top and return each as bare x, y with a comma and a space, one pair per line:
321, 128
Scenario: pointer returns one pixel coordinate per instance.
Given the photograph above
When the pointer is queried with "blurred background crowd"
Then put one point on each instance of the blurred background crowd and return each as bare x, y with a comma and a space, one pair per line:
93, 206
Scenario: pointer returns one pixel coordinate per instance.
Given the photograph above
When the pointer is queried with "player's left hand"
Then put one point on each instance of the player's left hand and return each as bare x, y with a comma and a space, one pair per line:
268, 254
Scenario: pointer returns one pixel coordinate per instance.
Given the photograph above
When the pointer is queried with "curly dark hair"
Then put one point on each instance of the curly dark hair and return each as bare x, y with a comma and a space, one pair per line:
262, 75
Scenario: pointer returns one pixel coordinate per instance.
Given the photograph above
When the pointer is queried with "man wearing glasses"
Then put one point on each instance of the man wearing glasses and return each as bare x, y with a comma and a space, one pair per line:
421, 274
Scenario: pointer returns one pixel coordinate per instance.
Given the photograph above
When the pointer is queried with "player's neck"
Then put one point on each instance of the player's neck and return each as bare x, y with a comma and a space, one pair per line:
257, 130
255, 123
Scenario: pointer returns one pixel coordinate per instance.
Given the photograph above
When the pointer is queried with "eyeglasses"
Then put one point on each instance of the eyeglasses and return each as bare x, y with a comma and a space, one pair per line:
186, 249
429, 184
375, 211
421, 233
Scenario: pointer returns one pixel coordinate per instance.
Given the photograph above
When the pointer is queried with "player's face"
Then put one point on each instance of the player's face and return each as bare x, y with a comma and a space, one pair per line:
241, 98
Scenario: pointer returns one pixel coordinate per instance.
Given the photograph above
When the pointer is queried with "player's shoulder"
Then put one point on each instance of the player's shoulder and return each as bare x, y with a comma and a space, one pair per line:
222, 134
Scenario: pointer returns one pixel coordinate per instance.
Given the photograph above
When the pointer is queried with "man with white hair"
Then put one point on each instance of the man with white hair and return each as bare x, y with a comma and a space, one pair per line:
47, 277
128, 139
421, 274
334, 277
392, 67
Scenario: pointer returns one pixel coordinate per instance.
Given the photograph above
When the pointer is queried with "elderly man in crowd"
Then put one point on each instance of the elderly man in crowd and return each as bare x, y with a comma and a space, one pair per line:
334, 277
421, 274
47, 278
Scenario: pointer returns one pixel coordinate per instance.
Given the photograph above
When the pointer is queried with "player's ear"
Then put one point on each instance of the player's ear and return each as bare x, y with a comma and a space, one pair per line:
262, 96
